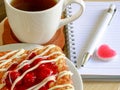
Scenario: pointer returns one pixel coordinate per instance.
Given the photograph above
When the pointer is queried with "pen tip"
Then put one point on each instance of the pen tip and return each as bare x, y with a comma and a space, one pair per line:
82, 65
112, 9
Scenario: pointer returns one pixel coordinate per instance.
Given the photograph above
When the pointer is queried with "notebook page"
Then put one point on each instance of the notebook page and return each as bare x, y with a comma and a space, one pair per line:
82, 29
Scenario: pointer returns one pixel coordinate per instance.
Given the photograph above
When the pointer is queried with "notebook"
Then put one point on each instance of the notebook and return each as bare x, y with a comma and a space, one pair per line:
77, 34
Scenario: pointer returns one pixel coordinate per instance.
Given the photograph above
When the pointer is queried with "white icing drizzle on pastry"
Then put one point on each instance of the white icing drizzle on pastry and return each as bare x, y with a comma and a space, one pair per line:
18, 52
63, 73
22, 64
3, 69
36, 87
10, 53
47, 50
5, 61
17, 55
2, 85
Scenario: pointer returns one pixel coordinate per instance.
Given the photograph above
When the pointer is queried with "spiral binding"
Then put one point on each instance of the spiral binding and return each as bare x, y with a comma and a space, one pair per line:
70, 37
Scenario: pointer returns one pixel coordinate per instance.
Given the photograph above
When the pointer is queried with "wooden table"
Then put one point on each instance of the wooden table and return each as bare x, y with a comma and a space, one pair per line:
90, 85
99, 85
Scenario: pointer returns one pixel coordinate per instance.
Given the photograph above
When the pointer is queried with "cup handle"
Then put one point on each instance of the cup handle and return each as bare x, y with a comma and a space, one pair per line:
76, 15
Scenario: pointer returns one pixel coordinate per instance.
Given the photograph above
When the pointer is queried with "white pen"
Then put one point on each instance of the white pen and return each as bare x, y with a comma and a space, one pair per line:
97, 35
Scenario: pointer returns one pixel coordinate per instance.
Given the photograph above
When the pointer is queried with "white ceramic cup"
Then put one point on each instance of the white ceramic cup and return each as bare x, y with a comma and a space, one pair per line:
39, 26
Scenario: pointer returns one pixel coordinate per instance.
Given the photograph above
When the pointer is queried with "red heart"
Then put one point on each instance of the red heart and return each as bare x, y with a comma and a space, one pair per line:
105, 52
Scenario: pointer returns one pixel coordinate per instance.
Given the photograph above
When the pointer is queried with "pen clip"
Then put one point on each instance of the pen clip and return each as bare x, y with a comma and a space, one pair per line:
110, 10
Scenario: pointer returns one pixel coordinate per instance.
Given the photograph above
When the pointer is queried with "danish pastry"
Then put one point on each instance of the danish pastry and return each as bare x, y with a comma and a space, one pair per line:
42, 68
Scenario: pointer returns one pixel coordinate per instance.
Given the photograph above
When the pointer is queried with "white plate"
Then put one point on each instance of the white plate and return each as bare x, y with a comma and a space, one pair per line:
77, 80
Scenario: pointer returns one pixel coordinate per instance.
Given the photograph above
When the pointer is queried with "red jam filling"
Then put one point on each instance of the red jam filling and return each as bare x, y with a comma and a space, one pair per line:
31, 78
